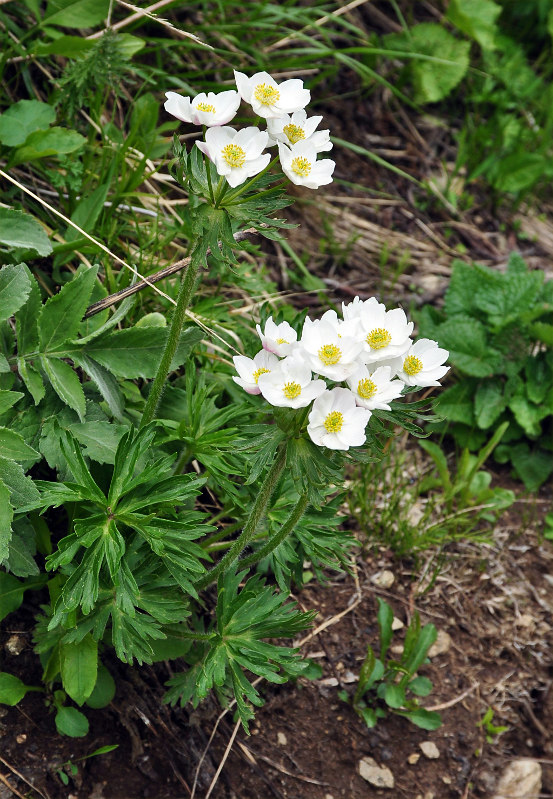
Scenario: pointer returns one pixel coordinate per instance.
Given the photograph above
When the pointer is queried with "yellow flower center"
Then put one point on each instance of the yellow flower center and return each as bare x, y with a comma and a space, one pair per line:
294, 133
265, 94
301, 166
378, 338
209, 109
282, 341
330, 354
366, 389
292, 390
334, 422
412, 365
233, 155
258, 372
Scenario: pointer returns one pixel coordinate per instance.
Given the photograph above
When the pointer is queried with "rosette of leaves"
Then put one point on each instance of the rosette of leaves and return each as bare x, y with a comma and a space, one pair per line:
235, 644
498, 328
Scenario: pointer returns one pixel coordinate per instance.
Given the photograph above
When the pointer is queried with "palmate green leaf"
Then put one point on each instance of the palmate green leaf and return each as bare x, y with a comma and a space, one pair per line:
132, 446
312, 471
172, 542
244, 618
23, 118
15, 285
79, 668
61, 315
177, 490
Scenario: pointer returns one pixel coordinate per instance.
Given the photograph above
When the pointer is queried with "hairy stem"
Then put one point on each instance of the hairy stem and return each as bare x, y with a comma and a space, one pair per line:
259, 507
179, 315
279, 537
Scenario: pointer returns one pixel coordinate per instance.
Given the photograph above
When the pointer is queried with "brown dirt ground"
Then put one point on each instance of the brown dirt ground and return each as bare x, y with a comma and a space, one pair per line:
494, 602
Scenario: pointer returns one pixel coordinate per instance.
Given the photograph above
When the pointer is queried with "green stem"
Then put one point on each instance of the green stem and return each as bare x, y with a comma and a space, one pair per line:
279, 537
248, 533
179, 315
246, 186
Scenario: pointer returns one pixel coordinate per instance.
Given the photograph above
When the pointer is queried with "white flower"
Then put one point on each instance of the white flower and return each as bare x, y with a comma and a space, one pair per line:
327, 351
289, 385
385, 333
205, 109
251, 369
336, 422
236, 154
358, 309
270, 99
297, 127
279, 339
374, 389
422, 364
299, 163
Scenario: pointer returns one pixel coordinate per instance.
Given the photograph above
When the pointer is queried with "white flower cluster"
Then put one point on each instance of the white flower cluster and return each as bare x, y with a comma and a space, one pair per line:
369, 349
238, 155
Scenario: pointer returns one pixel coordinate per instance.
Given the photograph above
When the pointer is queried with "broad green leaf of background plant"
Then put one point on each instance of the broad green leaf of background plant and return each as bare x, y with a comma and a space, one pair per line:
43, 144
79, 668
15, 284
71, 722
12, 690
477, 19
435, 77
19, 230
489, 403
11, 594
469, 350
76, 13
61, 315
6, 518
24, 118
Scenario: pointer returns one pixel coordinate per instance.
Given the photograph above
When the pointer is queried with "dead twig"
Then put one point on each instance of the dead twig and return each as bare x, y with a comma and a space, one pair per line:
223, 760
21, 777
112, 299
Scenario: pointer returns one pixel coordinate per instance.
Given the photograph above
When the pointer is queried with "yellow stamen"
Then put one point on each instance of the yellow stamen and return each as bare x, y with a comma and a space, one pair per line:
412, 365
282, 341
258, 372
266, 95
378, 338
233, 155
330, 354
366, 389
209, 109
301, 166
294, 133
292, 390
334, 422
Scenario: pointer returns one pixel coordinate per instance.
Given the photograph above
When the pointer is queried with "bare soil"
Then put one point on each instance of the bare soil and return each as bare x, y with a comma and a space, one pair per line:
494, 603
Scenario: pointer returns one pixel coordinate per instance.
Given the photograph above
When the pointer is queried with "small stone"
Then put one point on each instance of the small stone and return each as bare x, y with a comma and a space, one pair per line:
414, 758
282, 740
21, 738
526, 620
255, 731
520, 780
397, 624
430, 750
379, 776
397, 649
446, 780
383, 579
349, 677
441, 645
330, 681
328, 796
15, 644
